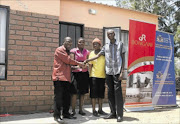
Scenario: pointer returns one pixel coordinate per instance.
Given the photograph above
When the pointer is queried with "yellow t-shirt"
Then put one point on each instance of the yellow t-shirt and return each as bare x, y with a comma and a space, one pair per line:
98, 66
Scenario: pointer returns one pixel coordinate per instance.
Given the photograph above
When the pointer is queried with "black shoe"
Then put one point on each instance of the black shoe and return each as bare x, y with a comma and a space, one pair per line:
101, 112
82, 113
119, 119
110, 116
69, 116
95, 113
59, 120
73, 113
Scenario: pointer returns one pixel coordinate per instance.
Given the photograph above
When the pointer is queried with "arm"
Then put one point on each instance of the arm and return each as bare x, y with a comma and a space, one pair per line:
123, 58
122, 67
90, 68
102, 52
86, 65
91, 59
123, 63
63, 56
72, 56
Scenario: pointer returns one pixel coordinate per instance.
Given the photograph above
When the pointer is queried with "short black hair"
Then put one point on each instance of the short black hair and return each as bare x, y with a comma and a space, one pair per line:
81, 38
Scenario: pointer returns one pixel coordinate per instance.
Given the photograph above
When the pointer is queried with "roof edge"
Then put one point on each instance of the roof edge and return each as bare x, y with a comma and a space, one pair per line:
119, 7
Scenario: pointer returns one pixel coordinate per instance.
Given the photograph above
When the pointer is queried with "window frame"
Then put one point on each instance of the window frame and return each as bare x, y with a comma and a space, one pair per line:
6, 40
71, 24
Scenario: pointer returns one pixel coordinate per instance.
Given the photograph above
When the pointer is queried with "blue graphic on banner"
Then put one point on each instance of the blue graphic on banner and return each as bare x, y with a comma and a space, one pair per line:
164, 88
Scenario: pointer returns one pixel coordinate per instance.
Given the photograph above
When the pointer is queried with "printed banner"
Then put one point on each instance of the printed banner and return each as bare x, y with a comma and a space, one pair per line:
164, 86
140, 66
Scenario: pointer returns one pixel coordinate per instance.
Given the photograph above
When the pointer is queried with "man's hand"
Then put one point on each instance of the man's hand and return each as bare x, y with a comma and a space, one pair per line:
121, 76
86, 61
84, 66
81, 64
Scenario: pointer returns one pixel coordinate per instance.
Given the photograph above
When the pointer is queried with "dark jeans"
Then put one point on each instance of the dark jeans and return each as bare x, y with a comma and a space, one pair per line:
61, 98
115, 97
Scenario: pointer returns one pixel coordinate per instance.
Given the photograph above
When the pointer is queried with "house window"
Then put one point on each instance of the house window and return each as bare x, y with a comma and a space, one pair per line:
125, 40
4, 27
72, 30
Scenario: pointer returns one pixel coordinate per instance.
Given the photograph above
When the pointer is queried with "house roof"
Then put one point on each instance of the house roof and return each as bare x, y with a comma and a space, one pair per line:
88, 1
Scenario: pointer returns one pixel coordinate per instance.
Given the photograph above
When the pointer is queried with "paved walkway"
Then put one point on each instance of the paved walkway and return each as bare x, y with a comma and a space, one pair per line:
165, 115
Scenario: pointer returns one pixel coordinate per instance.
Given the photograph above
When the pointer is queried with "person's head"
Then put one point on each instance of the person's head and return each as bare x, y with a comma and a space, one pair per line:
67, 43
110, 34
81, 43
96, 44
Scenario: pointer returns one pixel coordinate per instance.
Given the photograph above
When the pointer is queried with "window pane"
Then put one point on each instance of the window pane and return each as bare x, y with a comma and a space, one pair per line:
72, 34
2, 71
78, 33
117, 34
2, 56
124, 39
72, 30
3, 13
63, 33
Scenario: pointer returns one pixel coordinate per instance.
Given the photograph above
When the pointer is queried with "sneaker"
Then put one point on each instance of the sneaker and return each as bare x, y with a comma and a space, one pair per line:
95, 113
101, 112
73, 113
119, 119
68, 116
110, 116
59, 120
82, 113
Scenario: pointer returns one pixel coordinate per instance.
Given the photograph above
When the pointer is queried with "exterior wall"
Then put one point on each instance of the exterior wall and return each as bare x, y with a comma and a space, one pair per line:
33, 39
31, 46
90, 34
38, 6
77, 11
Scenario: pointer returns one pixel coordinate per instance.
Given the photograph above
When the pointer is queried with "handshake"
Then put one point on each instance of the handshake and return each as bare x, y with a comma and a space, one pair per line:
83, 64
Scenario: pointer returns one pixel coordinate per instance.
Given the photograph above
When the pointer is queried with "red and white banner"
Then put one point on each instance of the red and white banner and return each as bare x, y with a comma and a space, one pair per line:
140, 64
141, 45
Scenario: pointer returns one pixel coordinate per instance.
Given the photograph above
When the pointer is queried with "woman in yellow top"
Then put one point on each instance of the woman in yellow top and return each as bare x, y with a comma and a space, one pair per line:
97, 74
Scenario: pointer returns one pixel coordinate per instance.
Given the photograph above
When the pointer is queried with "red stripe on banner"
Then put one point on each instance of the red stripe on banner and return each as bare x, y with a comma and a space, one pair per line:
142, 69
5, 115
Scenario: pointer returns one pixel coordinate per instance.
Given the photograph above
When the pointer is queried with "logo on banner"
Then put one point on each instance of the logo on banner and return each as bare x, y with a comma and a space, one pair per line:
162, 40
142, 41
159, 38
143, 37
159, 75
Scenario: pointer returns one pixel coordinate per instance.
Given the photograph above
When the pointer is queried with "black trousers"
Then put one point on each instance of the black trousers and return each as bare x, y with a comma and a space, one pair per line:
61, 98
115, 97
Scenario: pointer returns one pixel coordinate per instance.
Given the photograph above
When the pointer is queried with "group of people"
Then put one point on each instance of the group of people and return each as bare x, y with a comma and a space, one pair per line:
76, 69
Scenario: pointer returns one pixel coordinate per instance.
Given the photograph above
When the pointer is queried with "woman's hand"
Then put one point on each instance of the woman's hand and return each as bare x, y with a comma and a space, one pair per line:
84, 66
85, 61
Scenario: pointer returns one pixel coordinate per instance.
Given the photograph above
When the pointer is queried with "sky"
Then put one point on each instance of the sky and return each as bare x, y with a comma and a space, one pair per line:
109, 2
